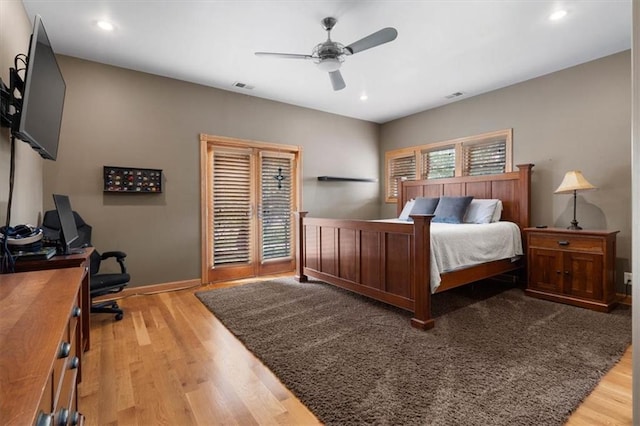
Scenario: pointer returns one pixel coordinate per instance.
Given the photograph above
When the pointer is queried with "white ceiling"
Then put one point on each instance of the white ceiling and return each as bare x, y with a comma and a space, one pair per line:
469, 46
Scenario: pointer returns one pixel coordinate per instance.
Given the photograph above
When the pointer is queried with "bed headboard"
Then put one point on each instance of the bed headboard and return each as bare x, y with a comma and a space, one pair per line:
512, 188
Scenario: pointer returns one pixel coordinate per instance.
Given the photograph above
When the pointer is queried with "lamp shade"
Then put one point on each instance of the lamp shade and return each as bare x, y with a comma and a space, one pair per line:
573, 181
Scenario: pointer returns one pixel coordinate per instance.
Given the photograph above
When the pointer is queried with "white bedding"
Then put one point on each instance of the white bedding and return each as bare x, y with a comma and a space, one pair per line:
457, 246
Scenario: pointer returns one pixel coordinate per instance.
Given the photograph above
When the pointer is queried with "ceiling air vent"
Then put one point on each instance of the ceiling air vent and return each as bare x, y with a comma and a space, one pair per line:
242, 85
454, 95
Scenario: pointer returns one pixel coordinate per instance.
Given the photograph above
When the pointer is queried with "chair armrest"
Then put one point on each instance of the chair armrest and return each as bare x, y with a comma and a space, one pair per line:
119, 255
116, 254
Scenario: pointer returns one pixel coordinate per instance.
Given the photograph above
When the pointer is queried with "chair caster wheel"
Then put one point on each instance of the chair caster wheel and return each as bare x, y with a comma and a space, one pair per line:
119, 317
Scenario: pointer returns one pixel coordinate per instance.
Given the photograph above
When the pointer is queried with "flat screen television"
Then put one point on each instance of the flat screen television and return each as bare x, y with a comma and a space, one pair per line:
68, 228
43, 96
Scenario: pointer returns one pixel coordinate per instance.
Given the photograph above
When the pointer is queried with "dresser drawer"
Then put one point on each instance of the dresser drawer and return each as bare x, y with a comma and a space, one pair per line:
567, 242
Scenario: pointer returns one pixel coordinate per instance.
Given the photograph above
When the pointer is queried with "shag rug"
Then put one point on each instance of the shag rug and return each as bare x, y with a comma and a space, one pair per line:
492, 359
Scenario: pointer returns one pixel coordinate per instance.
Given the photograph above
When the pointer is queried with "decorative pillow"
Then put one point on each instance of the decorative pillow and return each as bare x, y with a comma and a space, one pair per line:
406, 211
481, 211
498, 213
452, 209
425, 205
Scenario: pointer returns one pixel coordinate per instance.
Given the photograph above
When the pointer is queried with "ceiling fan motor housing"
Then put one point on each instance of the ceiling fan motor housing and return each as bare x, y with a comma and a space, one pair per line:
330, 55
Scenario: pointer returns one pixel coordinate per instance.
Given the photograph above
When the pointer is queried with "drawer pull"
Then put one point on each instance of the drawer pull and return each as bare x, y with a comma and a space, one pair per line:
566, 272
75, 418
75, 363
563, 243
76, 312
43, 419
558, 272
65, 350
63, 417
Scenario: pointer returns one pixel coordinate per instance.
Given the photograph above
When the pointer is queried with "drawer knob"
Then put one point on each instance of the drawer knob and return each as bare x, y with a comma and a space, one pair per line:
558, 272
65, 350
563, 243
76, 312
75, 363
566, 272
75, 418
63, 417
43, 419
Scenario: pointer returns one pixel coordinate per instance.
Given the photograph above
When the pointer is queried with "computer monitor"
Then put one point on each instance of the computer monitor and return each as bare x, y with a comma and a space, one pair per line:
68, 228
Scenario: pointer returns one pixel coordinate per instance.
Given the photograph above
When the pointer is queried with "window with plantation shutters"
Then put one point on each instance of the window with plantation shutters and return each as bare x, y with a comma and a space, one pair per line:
488, 153
400, 168
276, 206
231, 207
485, 158
438, 163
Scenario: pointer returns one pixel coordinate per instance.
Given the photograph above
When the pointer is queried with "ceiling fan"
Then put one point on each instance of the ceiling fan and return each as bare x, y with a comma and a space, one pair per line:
329, 55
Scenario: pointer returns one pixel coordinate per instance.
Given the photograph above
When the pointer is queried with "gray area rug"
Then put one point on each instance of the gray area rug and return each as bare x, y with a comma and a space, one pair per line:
492, 359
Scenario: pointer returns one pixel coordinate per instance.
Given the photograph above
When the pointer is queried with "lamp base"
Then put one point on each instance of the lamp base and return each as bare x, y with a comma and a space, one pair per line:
574, 225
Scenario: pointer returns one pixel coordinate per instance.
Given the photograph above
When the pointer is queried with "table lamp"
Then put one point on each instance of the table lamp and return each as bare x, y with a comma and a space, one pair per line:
573, 182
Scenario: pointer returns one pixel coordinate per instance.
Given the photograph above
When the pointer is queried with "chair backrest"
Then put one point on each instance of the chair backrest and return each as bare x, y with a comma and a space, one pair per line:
94, 262
51, 228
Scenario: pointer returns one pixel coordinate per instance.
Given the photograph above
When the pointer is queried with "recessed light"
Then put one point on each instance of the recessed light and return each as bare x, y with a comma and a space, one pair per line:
364, 97
105, 25
557, 15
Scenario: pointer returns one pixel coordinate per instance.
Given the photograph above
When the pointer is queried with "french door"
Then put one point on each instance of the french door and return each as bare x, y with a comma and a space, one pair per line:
250, 191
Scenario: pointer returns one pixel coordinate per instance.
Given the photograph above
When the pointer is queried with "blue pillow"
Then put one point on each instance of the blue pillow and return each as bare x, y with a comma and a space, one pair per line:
452, 209
424, 205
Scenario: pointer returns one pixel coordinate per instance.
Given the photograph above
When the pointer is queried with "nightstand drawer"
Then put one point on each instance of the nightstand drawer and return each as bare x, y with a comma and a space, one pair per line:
567, 242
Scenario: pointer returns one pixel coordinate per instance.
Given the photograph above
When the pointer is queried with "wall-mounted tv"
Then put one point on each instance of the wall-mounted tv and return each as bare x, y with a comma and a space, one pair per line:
43, 96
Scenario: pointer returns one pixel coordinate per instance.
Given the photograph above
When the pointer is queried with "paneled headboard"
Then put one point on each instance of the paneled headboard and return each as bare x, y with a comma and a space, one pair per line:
512, 188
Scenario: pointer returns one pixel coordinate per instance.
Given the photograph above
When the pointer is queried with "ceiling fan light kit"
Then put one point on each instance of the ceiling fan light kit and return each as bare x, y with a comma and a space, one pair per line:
330, 55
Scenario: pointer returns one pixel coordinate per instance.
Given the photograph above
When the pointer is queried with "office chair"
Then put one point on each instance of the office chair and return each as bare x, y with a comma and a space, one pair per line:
99, 284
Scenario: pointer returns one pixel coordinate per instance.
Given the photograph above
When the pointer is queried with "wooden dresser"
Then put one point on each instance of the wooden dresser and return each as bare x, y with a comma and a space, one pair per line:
68, 261
39, 336
574, 267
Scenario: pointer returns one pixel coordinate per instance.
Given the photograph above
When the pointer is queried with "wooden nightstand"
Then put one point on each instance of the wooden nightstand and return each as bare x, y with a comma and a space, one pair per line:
574, 267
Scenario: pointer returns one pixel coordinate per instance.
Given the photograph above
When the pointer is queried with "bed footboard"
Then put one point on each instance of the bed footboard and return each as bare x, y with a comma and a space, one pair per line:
388, 262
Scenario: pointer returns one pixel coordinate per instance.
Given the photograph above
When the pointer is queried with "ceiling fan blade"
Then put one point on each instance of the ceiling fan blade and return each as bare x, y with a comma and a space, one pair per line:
284, 55
385, 35
336, 80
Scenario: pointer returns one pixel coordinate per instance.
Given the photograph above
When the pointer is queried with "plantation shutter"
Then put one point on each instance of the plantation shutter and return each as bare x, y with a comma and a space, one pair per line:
276, 206
231, 207
484, 158
400, 168
438, 163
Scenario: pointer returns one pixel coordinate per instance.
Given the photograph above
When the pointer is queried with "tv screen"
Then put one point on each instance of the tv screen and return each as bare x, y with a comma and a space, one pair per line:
43, 97
68, 228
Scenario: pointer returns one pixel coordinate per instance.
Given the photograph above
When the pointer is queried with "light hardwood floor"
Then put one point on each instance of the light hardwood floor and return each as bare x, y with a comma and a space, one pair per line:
171, 362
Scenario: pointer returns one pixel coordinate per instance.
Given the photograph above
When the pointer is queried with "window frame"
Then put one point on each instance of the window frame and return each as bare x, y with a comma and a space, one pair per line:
459, 145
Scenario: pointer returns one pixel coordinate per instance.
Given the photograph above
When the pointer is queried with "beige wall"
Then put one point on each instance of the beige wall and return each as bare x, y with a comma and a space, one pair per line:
119, 117
15, 31
578, 118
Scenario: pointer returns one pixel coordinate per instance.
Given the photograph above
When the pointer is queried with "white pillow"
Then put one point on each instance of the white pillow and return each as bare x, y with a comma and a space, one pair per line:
497, 214
406, 211
481, 211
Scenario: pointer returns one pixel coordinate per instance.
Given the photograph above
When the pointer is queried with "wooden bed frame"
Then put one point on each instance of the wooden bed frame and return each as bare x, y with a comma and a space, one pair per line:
390, 262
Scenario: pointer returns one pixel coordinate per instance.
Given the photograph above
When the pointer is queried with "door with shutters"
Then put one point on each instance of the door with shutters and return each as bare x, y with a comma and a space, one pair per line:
250, 191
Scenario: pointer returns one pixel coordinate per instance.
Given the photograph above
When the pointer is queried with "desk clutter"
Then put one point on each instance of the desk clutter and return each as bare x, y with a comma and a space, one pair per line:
22, 242
132, 180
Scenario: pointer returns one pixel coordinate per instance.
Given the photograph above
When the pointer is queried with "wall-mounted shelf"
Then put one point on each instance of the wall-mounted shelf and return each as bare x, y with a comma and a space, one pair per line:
344, 179
129, 180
